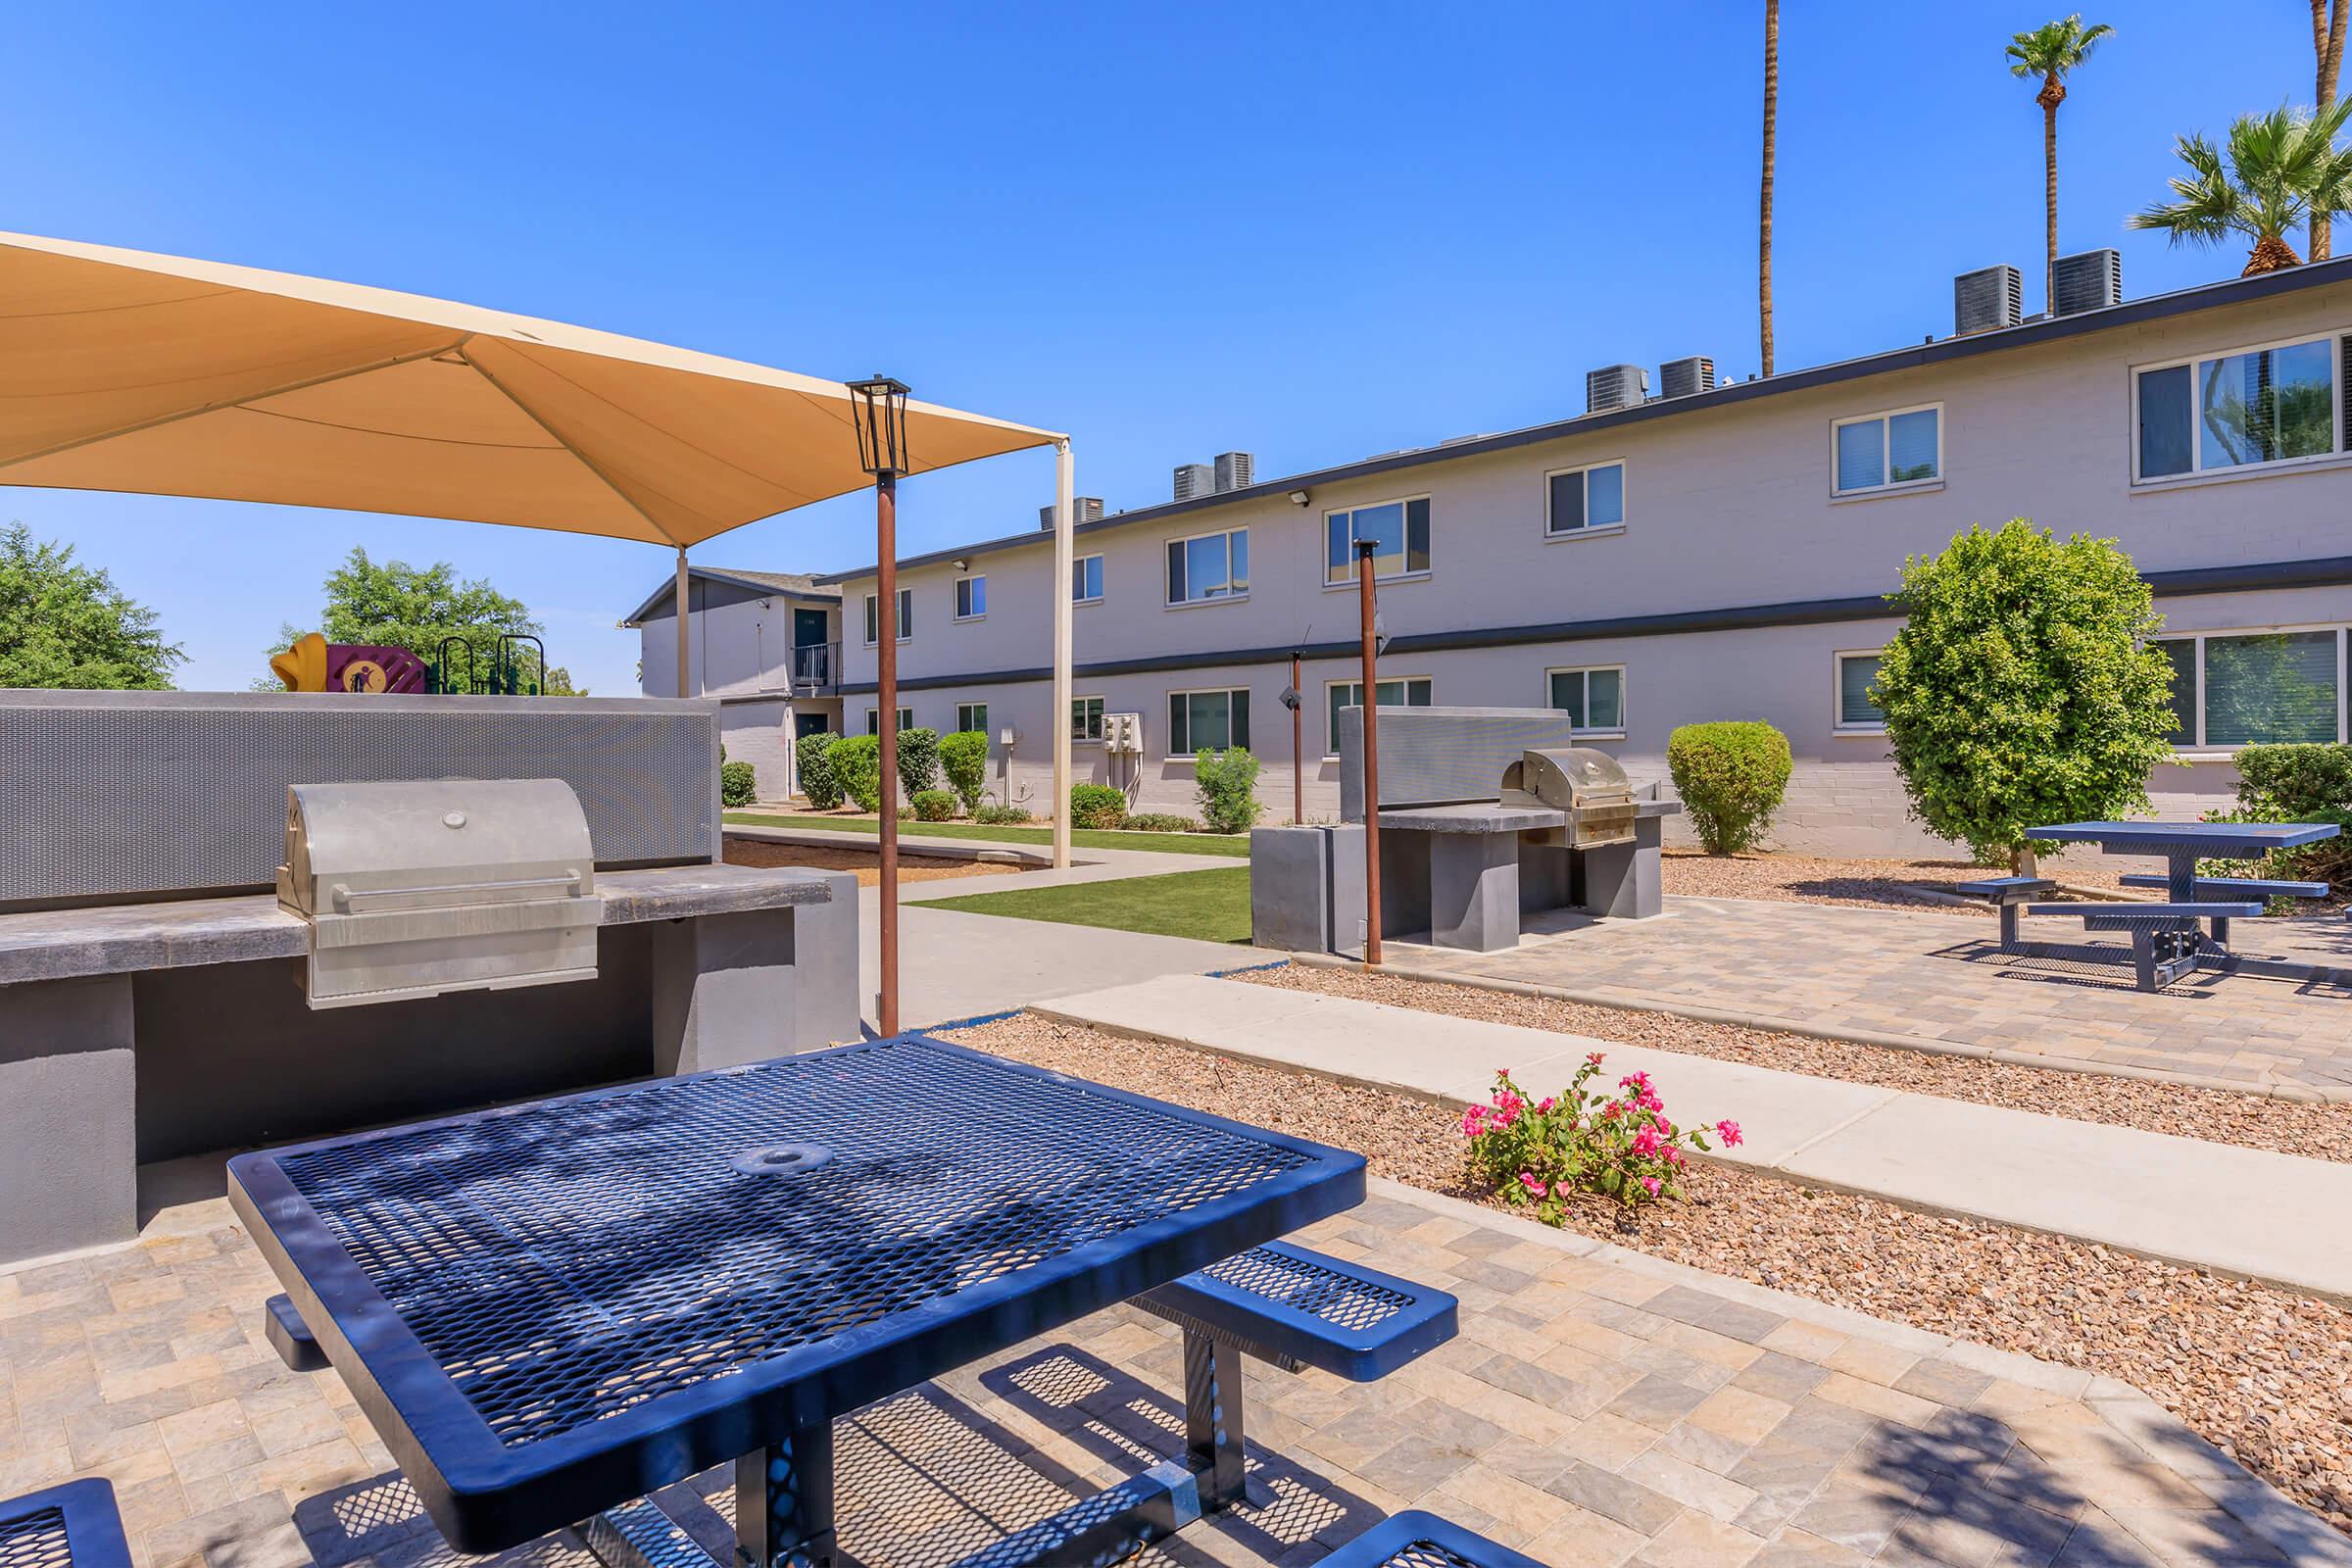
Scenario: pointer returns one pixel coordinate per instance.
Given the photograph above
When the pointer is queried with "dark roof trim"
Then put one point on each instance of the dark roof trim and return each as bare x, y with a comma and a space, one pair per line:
2156, 306
662, 601
2331, 573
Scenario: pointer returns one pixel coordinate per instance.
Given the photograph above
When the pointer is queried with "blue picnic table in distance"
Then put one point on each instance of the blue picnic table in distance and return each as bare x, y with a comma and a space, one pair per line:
553, 1310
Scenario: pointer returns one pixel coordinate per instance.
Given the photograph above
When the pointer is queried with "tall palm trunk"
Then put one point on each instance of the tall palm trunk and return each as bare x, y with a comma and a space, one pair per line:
1772, 115
2327, 49
2052, 94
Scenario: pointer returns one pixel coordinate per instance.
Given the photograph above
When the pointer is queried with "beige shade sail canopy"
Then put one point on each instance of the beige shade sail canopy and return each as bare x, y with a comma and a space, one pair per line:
125, 371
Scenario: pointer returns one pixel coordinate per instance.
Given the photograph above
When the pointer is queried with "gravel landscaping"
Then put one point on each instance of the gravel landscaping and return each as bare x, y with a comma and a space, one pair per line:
2216, 1116
2260, 1372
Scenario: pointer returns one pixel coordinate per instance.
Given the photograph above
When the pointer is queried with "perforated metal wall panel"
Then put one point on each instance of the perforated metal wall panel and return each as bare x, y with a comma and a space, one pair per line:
1436, 755
128, 795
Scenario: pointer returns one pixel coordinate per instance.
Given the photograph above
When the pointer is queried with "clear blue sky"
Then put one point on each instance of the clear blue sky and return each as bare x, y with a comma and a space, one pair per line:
1311, 232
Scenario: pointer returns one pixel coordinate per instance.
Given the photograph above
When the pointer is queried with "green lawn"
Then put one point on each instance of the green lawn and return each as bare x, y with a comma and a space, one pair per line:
1211, 906
1235, 845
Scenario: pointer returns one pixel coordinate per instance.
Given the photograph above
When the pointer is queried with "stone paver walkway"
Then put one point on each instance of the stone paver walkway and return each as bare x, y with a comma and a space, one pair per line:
1598, 1409
1943, 978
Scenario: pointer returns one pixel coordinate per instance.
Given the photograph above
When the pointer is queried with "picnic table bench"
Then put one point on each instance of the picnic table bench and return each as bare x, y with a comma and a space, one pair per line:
550, 1311
71, 1525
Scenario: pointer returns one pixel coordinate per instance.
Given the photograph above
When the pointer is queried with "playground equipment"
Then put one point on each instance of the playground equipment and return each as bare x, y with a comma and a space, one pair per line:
314, 664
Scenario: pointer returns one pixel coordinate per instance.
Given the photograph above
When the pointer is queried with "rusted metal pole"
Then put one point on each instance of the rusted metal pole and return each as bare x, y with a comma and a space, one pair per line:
1371, 705
885, 661
1298, 751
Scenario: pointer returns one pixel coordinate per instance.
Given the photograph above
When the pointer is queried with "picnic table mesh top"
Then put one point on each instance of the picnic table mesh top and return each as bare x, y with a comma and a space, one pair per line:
568, 1260
35, 1540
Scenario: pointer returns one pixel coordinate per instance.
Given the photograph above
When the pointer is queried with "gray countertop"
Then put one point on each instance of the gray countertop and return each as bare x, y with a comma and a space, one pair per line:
113, 938
1492, 816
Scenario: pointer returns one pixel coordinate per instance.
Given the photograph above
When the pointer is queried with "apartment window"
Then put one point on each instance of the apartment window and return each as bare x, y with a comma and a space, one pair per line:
1888, 450
1410, 692
873, 720
1209, 566
2233, 689
1207, 722
1856, 712
972, 716
1086, 580
2236, 411
906, 616
1583, 500
1595, 698
971, 598
1086, 718
1399, 534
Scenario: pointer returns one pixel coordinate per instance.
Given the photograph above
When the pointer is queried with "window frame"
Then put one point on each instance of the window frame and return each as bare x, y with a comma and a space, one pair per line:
2196, 749
873, 720
873, 617
1347, 584
1227, 692
1103, 714
2198, 473
1229, 596
1590, 530
1591, 731
963, 712
977, 582
1331, 734
1885, 418
1837, 720
1078, 568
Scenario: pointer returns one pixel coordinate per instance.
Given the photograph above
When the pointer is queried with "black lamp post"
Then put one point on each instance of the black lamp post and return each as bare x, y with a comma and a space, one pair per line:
880, 407
1367, 603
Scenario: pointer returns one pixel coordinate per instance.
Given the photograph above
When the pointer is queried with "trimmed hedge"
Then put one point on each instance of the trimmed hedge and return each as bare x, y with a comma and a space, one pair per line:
918, 760
963, 757
1162, 823
738, 784
2298, 784
816, 771
1001, 816
1730, 776
1227, 782
857, 763
934, 805
1098, 806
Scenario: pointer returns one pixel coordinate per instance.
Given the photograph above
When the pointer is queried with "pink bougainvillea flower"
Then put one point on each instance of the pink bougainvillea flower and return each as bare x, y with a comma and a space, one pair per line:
1609, 1111
1526, 1179
1728, 1131
1646, 1141
1650, 1185
1673, 1157
1593, 1059
1638, 1080
1474, 1121
1545, 1104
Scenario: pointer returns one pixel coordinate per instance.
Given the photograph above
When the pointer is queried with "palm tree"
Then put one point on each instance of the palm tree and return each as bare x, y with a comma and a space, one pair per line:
2049, 52
2280, 168
1772, 115
2328, 48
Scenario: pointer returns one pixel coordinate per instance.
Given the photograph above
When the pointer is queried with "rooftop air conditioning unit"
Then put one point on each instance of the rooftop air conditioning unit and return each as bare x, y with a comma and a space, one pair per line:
1083, 509
1615, 386
2089, 281
1234, 470
1987, 300
1679, 378
1195, 479
1123, 733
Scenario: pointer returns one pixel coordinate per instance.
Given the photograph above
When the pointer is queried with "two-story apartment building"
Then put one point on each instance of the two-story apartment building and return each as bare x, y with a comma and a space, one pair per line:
1719, 555
765, 644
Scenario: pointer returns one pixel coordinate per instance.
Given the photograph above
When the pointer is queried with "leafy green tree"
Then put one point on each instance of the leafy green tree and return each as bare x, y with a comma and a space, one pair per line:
2022, 689
63, 625
2049, 52
394, 605
2278, 168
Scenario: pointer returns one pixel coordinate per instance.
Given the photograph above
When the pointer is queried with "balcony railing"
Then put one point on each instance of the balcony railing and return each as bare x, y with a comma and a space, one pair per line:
815, 668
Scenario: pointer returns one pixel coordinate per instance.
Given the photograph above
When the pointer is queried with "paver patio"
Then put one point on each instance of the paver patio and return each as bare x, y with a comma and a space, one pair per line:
1596, 1409
1943, 977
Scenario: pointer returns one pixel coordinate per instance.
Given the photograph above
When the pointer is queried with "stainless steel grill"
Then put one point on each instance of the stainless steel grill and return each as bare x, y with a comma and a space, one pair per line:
1587, 784
415, 889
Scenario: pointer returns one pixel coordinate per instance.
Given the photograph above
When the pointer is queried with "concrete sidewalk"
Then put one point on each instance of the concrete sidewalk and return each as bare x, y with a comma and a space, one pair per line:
2244, 1212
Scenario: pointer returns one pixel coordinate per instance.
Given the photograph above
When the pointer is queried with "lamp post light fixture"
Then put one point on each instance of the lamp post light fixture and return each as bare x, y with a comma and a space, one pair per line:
879, 408
1292, 699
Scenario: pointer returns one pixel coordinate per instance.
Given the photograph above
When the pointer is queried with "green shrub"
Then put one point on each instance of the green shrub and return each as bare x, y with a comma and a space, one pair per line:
2296, 784
857, 765
1731, 777
1162, 822
1098, 806
1000, 816
1227, 783
738, 784
2023, 688
816, 771
964, 755
934, 805
918, 760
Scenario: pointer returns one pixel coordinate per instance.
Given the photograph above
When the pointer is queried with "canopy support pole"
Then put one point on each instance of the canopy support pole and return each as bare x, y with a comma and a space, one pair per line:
1065, 485
685, 646
886, 659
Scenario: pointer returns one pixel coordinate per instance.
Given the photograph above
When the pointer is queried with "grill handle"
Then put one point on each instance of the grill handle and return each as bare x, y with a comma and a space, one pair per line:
347, 897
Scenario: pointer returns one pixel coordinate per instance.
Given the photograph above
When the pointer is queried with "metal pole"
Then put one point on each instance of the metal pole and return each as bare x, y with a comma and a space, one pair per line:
1371, 705
685, 649
1298, 751
886, 587
1066, 555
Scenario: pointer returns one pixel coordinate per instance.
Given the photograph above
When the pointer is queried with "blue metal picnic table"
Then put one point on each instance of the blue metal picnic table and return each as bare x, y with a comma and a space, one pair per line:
553, 1310
2166, 941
